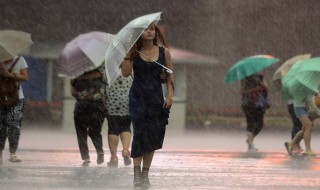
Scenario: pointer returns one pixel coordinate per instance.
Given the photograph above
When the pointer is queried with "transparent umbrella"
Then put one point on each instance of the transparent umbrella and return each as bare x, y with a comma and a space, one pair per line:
123, 42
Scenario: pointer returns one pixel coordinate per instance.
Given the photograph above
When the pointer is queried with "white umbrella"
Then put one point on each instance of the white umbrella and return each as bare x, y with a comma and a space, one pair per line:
284, 68
123, 42
84, 53
13, 42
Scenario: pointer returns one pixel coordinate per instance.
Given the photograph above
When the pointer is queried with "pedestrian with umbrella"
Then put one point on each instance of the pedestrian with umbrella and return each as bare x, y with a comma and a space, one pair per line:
89, 111
277, 78
13, 70
149, 109
82, 59
301, 83
254, 92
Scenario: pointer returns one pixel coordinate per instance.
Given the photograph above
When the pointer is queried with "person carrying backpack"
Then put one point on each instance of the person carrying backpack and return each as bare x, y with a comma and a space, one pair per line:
255, 102
12, 72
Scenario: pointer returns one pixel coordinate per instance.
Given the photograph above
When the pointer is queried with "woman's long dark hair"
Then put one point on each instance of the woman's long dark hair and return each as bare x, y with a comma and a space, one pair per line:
158, 40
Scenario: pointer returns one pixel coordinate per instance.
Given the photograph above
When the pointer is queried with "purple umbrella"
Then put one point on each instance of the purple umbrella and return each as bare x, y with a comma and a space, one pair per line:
84, 53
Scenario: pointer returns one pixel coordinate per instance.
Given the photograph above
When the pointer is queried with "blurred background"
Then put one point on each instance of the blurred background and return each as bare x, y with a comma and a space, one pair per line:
206, 38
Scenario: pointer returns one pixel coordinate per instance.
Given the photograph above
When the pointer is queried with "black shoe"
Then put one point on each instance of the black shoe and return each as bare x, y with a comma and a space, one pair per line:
100, 158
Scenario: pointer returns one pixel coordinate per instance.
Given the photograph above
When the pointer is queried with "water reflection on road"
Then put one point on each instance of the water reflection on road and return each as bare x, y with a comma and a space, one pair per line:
179, 165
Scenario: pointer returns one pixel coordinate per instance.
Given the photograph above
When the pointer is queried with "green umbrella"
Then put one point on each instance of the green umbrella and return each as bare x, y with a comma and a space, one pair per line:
249, 66
284, 68
302, 79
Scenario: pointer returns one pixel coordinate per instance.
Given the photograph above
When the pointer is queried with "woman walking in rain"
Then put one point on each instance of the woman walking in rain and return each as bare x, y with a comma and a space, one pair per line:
297, 126
149, 110
119, 120
11, 116
89, 111
300, 110
252, 88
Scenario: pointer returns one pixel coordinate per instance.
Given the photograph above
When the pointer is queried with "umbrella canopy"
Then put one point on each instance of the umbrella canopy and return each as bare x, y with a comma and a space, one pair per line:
303, 79
84, 53
13, 42
123, 42
249, 66
285, 67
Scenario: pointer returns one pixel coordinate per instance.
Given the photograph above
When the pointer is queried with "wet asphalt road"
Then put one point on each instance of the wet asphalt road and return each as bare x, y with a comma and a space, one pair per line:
190, 161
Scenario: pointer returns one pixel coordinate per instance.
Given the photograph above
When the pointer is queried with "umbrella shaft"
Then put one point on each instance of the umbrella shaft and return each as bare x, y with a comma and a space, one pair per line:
167, 69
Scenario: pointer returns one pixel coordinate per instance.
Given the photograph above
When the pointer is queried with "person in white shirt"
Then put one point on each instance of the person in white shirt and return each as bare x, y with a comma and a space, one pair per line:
11, 116
119, 120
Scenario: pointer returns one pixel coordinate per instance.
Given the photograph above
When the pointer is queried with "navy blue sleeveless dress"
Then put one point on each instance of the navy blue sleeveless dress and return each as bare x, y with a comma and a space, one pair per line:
149, 118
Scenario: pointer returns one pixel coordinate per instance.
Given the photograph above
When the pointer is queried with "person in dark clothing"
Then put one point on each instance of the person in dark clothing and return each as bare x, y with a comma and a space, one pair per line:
89, 112
252, 87
297, 126
149, 110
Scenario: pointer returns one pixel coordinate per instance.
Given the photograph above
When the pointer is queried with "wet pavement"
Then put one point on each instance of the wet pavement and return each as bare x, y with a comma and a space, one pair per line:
190, 161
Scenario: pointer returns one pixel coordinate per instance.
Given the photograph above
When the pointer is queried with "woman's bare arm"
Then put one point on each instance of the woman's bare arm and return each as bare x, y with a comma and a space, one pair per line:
170, 82
126, 67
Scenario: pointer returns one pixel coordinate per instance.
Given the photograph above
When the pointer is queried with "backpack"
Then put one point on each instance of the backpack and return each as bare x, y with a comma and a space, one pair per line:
9, 89
256, 100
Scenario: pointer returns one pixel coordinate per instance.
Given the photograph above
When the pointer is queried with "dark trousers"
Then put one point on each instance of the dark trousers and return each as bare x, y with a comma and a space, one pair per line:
254, 118
297, 126
10, 125
88, 119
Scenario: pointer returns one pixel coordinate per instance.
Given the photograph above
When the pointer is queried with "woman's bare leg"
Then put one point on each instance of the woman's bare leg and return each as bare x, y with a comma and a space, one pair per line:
147, 159
307, 128
125, 139
113, 141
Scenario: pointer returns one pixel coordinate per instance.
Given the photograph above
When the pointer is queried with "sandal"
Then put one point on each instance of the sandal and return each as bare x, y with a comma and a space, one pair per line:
309, 153
288, 147
126, 157
113, 162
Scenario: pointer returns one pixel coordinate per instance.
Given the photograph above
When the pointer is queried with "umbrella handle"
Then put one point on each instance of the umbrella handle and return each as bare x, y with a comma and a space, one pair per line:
167, 69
